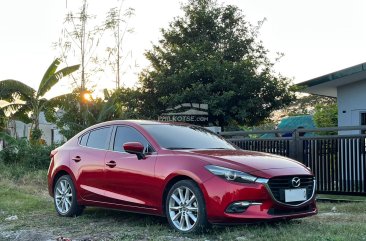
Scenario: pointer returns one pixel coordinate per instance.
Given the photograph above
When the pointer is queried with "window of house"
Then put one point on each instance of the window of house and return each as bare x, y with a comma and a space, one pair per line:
363, 121
52, 136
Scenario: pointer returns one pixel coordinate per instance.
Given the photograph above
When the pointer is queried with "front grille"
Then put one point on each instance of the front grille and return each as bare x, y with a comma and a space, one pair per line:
276, 211
278, 185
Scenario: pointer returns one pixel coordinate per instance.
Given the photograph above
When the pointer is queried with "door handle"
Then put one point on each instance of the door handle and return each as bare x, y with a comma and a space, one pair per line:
111, 164
77, 158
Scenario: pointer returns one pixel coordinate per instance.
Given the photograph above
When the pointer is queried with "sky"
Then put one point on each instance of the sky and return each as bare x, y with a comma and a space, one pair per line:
316, 37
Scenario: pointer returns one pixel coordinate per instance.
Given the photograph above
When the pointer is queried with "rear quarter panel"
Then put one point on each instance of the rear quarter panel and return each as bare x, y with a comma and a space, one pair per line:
61, 163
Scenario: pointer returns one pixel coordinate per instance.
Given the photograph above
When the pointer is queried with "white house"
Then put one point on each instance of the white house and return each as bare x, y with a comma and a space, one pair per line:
50, 133
349, 87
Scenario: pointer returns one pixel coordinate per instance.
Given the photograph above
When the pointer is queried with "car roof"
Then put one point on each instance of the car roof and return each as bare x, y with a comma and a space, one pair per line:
134, 123
141, 122
128, 122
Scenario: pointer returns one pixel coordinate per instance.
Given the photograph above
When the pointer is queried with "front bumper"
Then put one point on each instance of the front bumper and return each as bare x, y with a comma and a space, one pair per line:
220, 194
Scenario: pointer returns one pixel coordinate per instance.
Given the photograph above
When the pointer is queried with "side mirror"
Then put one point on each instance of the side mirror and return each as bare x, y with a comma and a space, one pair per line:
135, 148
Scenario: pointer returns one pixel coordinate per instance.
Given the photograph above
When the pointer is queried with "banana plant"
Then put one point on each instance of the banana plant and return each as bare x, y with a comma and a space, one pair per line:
24, 101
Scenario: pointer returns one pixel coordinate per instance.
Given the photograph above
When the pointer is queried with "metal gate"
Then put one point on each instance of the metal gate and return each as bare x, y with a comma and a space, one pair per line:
337, 161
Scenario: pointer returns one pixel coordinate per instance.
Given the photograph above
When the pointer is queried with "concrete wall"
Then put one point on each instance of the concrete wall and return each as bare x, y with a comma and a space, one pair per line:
351, 102
47, 135
19, 129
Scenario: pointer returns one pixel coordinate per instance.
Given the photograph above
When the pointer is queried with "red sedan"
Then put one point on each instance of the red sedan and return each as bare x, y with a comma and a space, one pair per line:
184, 172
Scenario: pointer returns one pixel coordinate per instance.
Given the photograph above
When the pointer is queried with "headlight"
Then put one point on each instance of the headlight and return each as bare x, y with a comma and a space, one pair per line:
230, 174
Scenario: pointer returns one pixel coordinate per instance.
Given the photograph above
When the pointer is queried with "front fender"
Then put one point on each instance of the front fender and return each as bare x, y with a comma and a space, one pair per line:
172, 168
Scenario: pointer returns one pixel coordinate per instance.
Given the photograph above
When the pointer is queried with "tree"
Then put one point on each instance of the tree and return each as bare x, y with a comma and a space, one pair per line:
116, 22
211, 55
122, 103
3, 120
70, 117
326, 115
24, 100
304, 104
81, 39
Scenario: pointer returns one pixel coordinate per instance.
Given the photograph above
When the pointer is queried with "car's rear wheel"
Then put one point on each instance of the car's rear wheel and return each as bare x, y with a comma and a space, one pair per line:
185, 207
64, 195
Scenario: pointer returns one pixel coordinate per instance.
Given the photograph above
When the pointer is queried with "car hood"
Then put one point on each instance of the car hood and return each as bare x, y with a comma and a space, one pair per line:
252, 162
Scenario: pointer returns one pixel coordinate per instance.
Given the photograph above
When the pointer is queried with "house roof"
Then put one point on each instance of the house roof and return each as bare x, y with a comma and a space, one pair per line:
326, 85
294, 122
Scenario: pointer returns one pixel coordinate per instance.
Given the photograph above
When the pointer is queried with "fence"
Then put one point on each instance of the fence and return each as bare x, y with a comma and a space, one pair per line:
338, 161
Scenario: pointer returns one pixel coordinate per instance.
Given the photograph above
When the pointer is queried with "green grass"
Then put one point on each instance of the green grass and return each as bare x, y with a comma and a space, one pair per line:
19, 202
27, 198
341, 197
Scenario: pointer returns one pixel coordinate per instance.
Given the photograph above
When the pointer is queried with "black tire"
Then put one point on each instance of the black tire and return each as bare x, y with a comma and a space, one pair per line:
201, 224
69, 207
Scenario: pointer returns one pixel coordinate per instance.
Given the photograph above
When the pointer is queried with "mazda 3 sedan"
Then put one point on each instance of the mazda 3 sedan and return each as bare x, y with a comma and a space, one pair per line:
184, 172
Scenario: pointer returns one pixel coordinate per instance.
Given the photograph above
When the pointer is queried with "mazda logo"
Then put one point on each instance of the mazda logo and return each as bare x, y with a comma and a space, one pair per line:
295, 182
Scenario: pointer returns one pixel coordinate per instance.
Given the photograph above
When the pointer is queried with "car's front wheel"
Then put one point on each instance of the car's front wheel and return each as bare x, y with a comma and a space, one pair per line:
185, 207
64, 195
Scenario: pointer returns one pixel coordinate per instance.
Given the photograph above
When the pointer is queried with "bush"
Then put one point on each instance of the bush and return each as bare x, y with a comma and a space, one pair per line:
23, 154
326, 116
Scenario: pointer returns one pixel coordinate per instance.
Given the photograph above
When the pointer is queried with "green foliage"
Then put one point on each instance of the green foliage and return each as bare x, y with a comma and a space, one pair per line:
25, 154
24, 101
69, 118
211, 55
3, 120
305, 104
51, 77
326, 115
7, 138
36, 135
123, 103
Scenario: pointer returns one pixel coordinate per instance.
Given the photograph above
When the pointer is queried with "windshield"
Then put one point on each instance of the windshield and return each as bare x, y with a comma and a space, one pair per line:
186, 137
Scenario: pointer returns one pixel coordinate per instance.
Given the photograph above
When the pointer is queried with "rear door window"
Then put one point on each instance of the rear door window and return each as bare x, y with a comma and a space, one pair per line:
84, 139
99, 138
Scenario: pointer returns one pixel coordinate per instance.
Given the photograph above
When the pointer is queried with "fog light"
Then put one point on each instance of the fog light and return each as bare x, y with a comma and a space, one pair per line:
239, 207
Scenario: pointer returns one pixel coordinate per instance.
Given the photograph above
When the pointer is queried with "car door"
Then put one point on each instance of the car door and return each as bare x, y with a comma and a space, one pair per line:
129, 181
88, 160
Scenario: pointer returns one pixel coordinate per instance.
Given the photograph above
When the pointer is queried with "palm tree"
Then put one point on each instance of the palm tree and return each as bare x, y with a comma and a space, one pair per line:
23, 99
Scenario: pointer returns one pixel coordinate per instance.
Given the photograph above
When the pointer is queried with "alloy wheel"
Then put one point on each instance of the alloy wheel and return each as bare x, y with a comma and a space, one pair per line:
63, 196
183, 208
